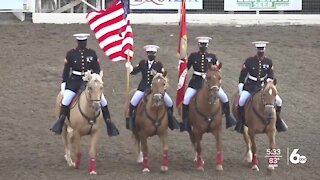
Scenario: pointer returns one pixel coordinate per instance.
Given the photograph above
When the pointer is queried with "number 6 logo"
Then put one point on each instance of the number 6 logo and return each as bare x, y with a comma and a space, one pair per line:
296, 158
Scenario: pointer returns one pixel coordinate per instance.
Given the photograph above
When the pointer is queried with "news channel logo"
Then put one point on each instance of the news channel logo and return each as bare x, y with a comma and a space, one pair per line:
294, 156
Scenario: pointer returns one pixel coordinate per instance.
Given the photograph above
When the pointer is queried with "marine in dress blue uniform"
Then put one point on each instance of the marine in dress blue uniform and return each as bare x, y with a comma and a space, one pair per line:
145, 67
78, 61
200, 61
254, 72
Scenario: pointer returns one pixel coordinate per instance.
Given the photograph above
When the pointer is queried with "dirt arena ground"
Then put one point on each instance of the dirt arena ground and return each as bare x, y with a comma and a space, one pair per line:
31, 66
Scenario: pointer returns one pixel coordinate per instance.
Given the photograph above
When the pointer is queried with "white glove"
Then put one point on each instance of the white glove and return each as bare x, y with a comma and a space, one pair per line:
269, 79
240, 87
62, 87
129, 66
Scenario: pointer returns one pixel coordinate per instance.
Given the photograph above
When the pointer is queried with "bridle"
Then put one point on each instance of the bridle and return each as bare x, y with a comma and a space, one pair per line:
213, 89
91, 120
157, 119
266, 104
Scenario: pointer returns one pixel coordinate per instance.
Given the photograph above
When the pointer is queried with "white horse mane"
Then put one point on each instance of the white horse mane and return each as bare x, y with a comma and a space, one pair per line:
97, 77
94, 76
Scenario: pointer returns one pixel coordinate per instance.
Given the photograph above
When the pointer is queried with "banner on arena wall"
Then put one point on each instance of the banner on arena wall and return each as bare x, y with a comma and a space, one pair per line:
262, 5
11, 4
165, 4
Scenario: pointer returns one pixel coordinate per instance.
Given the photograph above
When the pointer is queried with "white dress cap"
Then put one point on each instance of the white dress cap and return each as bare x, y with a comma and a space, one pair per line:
152, 48
203, 39
260, 44
81, 36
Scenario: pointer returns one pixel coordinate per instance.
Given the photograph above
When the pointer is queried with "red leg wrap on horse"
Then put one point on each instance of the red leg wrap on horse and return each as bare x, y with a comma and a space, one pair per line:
199, 161
92, 165
78, 158
165, 159
219, 159
254, 160
145, 162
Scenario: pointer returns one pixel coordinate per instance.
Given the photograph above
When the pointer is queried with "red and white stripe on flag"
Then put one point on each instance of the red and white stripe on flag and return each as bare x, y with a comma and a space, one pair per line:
113, 31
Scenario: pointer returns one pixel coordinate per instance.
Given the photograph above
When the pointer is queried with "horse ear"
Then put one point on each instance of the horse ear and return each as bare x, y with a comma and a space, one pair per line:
219, 64
153, 72
101, 73
275, 81
164, 73
87, 76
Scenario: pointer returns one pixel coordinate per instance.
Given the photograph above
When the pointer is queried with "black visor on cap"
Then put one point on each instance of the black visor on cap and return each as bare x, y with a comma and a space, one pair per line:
151, 52
203, 44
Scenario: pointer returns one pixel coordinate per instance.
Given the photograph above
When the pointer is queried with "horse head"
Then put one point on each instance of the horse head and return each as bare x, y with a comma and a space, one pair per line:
268, 98
94, 89
213, 82
158, 87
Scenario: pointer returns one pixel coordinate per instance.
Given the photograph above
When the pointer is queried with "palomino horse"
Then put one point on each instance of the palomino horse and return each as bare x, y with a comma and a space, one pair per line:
85, 119
205, 115
259, 117
151, 119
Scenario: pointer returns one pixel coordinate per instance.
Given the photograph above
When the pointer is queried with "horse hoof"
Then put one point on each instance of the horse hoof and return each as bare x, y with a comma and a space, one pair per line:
255, 167
200, 168
93, 172
164, 168
271, 167
219, 167
145, 171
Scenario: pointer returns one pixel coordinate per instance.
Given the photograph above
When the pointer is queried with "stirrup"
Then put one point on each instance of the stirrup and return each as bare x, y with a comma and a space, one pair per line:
130, 123
185, 126
239, 128
112, 130
281, 126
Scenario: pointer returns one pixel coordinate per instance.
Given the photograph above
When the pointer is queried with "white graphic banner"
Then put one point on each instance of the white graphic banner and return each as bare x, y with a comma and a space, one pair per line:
262, 5
165, 4
11, 4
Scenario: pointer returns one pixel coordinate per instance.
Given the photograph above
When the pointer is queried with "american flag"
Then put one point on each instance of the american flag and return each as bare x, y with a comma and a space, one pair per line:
113, 31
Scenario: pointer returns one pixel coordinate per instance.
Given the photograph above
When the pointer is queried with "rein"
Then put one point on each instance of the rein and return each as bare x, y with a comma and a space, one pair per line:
156, 121
91, 121
209, 118
254, 109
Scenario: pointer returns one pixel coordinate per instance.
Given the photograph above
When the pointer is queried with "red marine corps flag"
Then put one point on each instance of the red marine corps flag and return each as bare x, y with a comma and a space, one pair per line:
182, 53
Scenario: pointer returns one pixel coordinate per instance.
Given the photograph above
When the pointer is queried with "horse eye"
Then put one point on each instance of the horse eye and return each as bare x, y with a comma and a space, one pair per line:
89, 88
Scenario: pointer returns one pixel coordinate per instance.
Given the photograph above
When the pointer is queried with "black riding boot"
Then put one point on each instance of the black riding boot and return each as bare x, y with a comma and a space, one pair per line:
112, 130
130, 121
172, 123
280, 124
240, 123
57, 126
185, 125
229, 120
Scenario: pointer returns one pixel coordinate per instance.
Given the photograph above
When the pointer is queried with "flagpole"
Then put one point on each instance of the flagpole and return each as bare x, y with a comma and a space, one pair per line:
128, 75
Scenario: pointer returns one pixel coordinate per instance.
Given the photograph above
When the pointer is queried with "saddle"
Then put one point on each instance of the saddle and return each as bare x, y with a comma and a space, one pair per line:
76, 97
143, 100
